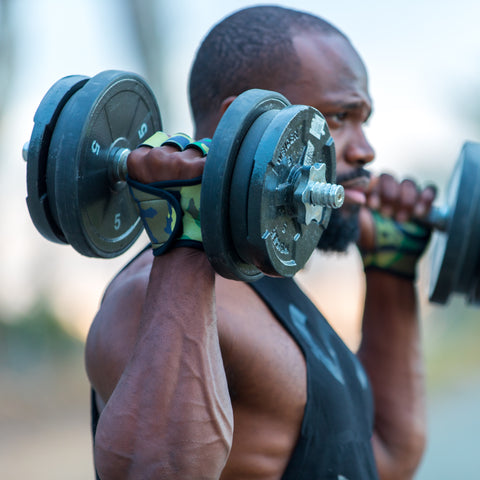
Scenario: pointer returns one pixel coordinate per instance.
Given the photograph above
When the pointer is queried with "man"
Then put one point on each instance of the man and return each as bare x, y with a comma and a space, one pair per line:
199, 377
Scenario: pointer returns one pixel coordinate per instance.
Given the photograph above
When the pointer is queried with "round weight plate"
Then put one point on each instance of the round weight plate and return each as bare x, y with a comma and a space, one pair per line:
45, 118
215, 196
113, 110
469, 261
280, 242
454, 252
239, 189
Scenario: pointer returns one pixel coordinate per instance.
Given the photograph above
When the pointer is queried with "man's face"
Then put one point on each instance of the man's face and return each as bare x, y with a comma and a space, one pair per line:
333, 79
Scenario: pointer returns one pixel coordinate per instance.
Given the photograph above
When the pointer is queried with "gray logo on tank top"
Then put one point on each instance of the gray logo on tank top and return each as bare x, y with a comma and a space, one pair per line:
325, 353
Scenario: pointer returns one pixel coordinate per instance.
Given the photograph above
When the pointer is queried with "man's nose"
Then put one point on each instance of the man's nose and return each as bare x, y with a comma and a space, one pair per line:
359, 152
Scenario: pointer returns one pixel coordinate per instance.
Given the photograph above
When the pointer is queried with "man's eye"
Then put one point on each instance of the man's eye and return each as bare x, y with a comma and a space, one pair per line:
338, 117
335, 120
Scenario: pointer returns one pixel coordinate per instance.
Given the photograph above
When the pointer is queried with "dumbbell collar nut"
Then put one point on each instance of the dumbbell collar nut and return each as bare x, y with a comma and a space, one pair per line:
117, 164
312, 193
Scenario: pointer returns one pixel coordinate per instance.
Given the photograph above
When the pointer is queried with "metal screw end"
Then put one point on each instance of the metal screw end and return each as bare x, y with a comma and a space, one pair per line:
327, 195
25, 150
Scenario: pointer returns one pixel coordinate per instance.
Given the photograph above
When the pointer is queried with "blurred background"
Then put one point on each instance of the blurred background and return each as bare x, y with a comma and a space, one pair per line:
423, 57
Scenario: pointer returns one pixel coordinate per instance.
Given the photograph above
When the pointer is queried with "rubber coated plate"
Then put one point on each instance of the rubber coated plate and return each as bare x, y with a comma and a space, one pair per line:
240, 186
38, 201
215, 196
281, 243
114, 109
454, 257
469, 261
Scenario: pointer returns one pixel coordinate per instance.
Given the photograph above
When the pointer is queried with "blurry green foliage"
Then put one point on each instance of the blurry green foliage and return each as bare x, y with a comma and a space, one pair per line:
33, 337
452, 343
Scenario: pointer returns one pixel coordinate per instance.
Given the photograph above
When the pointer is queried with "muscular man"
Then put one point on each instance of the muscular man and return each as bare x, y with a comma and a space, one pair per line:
198, 377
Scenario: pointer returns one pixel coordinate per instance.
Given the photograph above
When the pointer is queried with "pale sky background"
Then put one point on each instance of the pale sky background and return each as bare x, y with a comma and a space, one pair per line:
424, 63
423, 57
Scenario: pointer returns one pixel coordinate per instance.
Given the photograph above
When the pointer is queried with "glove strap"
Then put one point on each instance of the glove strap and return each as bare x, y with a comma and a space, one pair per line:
170, 212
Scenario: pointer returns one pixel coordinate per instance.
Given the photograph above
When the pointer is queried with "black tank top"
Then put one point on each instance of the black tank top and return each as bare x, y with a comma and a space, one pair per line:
337, 425
335, 438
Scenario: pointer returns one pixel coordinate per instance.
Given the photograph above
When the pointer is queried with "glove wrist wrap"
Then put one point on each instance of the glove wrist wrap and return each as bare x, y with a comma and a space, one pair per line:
170, 212
398, 247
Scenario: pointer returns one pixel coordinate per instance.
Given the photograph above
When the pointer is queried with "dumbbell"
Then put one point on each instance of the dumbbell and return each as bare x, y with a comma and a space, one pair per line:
267, 192
455, 249
267, 189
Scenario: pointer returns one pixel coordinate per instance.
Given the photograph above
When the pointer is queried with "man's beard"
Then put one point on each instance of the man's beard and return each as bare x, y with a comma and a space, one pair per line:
343, 228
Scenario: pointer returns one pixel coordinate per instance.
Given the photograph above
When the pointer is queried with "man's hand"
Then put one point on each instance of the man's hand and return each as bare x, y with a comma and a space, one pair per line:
390, 238
400, 201
164, 163
164, 178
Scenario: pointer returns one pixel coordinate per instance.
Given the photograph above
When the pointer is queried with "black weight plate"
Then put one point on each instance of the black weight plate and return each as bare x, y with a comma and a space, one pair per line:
239, 189
226, 143
454, 252
281, 244
114, 109
38, 201
469, 260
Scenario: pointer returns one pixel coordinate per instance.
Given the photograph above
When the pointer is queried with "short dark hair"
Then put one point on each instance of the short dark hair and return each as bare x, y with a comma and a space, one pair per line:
252, 48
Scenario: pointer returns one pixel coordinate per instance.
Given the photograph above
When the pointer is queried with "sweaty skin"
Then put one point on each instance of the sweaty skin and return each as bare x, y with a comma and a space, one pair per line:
195, 376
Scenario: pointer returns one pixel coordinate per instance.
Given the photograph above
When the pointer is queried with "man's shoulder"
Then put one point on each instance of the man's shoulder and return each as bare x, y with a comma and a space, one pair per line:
238, 302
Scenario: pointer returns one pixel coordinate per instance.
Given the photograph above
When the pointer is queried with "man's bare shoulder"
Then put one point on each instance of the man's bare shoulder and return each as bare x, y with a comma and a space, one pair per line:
258, 352
266, 375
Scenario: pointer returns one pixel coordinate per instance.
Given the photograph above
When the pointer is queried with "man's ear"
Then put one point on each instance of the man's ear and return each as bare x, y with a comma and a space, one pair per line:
209, 128
226, 103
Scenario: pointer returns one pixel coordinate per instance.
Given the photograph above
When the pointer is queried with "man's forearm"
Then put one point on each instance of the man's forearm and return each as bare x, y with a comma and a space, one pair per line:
170, 414
391, 353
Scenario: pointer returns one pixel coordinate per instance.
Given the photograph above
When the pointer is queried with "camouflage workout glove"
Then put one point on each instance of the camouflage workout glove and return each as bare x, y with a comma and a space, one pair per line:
398, 246
170, 210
